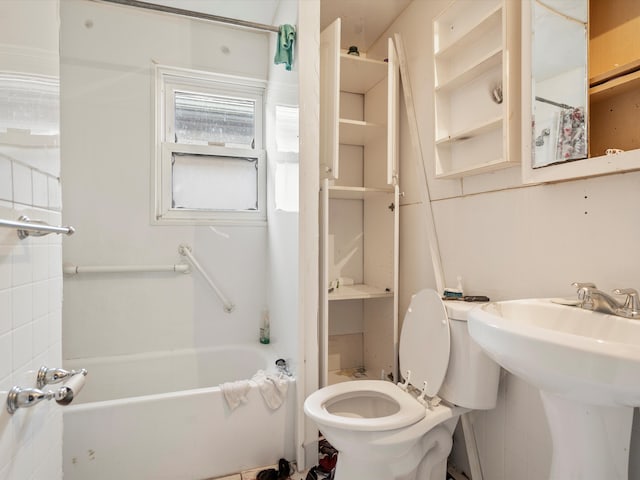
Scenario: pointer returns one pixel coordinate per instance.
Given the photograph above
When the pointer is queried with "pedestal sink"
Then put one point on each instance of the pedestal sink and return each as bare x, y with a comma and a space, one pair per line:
587, 367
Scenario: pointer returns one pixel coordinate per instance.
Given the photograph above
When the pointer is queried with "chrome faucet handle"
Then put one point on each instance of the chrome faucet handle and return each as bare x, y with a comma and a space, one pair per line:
631, 303
584, 294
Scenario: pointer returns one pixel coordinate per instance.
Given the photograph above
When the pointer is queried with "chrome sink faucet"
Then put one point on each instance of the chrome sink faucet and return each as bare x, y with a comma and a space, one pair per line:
593, 299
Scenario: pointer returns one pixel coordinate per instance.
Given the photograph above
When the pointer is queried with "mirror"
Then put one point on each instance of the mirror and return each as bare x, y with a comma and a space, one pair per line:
559, 81
592, 116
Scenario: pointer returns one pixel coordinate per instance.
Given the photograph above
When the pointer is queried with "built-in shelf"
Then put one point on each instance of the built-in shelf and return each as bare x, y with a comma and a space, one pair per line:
489, 62
358, 229
358, 132
491, 166
476, 65
615, 86
356, 292
473, 33
360, 74
357, 193
471, 132
614, 73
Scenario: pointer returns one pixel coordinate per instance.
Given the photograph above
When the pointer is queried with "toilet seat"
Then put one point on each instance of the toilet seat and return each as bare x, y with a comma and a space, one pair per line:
405, 409
425, 342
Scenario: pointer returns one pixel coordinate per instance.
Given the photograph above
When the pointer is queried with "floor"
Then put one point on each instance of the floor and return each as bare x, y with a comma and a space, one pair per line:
251, 474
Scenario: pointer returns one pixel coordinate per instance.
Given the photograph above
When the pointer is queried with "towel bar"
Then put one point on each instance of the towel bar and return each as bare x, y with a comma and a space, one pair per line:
34, 228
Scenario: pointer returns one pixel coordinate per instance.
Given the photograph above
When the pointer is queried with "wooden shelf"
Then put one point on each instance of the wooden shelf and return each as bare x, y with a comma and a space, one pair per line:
360, 74
615, 86
491, 61
357, 292
467, 133
357, 193
490, 21
357, 132
619, 71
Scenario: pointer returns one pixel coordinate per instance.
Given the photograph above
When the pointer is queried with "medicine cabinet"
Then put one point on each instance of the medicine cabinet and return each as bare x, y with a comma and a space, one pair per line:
477, 87
359, 212
613, 90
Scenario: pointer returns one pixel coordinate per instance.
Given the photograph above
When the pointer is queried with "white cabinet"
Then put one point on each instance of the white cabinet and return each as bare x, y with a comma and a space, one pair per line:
359, 214
477, 87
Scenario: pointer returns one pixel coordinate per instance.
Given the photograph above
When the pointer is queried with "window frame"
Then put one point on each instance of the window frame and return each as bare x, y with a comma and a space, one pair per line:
168, 80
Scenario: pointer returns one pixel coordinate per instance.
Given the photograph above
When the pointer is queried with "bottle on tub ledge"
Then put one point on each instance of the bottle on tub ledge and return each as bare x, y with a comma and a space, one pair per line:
265, 334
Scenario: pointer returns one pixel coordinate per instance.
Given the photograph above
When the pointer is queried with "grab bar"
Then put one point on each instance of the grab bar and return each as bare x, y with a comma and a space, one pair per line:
186, 252
35, 228
75, 269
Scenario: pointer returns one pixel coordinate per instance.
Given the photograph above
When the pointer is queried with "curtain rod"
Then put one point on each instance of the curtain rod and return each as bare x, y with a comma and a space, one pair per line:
551, 102
191, 13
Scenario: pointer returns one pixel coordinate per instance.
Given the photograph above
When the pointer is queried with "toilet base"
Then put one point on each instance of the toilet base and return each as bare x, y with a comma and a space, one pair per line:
426, 460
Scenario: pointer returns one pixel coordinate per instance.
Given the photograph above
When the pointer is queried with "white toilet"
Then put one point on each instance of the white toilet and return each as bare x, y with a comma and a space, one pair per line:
383, 431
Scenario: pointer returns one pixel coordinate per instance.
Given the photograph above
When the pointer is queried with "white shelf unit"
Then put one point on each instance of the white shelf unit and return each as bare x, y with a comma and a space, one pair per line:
359, 218
475, 56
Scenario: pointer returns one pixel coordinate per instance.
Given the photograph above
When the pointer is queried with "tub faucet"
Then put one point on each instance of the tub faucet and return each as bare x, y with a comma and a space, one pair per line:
283, 367
593, 299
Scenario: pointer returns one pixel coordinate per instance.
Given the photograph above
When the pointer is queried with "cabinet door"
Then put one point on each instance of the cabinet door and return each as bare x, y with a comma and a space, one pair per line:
393, 86
329, 100
323, 334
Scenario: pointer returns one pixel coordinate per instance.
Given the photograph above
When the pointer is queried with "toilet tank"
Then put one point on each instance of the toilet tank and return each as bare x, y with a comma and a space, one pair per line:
472, 377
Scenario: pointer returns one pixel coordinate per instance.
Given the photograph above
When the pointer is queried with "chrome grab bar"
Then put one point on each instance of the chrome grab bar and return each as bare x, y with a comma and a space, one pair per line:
34, 228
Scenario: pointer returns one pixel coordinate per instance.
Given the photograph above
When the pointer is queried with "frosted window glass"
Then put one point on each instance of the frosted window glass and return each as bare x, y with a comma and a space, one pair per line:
287, 129
286, 191
30, 103
208, 182
214, 120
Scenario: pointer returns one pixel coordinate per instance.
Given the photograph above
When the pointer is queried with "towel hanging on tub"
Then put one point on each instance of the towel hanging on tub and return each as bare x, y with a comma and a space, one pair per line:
284, 45
273, 387
235, 393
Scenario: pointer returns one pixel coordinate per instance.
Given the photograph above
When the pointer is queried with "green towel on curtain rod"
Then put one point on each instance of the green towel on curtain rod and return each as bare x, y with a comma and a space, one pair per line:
284, 45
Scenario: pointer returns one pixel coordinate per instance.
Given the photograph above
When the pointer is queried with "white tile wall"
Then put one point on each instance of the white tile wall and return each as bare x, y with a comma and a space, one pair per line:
30, 331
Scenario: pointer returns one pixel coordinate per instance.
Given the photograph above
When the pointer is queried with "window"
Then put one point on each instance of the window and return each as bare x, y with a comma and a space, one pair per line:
210, 162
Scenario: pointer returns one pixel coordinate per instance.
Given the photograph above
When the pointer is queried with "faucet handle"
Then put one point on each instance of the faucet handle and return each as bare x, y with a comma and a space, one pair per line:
584, 294
632, 302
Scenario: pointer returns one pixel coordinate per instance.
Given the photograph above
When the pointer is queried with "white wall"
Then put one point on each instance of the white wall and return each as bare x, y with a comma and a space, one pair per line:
30, 269
508, 241
282, 167
107, 58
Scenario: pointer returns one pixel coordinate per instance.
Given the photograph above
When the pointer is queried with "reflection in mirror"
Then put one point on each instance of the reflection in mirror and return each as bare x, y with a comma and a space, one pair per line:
559, 83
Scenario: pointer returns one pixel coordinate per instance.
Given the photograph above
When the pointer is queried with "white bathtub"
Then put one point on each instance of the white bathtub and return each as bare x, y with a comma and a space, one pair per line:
162, 416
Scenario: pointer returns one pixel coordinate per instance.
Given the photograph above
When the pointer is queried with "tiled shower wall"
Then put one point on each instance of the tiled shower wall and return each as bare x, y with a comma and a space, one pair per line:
30, 322
30, 269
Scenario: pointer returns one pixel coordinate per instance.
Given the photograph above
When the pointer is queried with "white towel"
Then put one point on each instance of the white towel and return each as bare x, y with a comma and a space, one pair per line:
273, 387
235, 393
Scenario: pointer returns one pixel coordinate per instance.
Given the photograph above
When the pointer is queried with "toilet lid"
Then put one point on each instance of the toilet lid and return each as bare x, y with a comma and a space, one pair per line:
425, 341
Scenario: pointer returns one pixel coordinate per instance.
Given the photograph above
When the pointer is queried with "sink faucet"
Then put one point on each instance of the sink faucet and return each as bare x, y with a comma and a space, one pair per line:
593, 299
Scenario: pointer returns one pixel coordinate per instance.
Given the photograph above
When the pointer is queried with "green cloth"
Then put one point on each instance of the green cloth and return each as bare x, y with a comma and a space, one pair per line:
284, 46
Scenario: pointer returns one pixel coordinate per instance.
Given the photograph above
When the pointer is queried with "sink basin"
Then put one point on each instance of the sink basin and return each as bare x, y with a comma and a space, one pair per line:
572, 352
587, 367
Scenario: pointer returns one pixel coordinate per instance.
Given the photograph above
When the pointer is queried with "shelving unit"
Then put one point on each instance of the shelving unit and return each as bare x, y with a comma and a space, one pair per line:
475, 60
614, 76
359, 218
